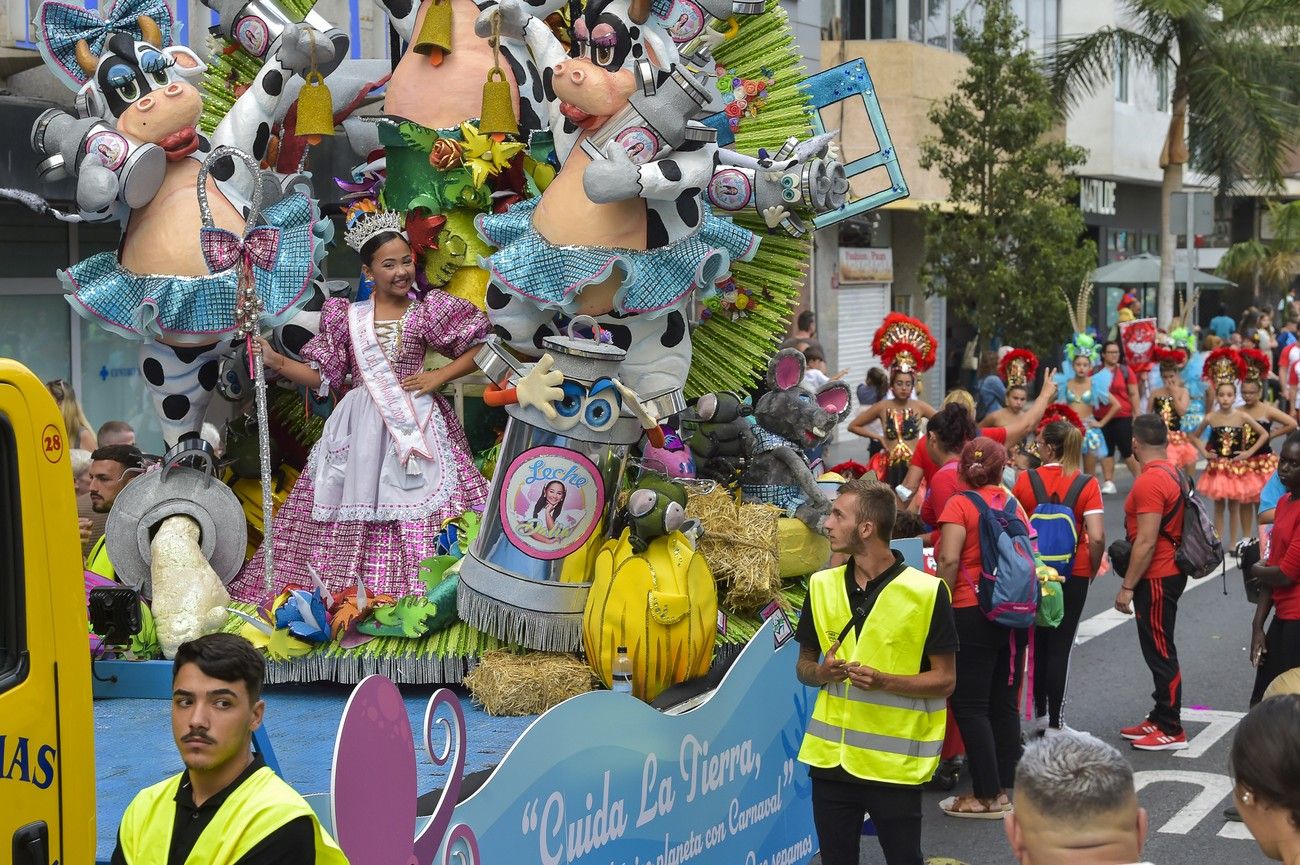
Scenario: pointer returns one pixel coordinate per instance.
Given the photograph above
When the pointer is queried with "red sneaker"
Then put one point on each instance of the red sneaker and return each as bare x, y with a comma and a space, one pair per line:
1161, 741
1139, 731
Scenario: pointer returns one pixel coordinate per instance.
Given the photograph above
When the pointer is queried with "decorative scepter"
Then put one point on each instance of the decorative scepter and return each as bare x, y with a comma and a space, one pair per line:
223, 250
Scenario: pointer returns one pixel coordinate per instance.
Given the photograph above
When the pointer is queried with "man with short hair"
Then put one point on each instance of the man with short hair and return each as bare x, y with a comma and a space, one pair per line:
1222, 325
227, 807
1153, 524
886, 640
116, 432
1075, 805
111, 468
806, 325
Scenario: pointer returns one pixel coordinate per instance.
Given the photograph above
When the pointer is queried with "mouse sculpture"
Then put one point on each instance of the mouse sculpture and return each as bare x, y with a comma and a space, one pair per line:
790, 420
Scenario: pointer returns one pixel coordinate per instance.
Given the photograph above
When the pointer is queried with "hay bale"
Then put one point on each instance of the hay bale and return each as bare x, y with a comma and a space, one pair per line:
741, 545
507, 683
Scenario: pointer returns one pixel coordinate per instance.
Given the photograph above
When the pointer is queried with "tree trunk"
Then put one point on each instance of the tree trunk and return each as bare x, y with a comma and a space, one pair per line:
1171, 182
1173, 156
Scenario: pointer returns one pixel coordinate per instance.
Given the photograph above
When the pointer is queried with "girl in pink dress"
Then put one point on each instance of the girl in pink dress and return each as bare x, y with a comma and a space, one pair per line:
392, 464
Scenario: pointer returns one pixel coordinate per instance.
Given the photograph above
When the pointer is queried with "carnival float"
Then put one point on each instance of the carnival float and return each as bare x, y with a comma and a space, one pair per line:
599, 214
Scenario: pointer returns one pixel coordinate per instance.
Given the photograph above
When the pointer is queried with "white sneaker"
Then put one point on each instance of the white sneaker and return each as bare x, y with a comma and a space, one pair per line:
1109, 488
1040, 725
1059, 731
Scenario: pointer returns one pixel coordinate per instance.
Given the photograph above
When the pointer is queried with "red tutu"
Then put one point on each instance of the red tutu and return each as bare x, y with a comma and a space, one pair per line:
1259, 469
1226, 480
1181, 451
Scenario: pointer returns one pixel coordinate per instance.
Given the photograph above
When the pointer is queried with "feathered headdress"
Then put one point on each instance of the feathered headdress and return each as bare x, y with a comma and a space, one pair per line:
1018, 367
904, 344
1224, 366
1257, 363
1179, 333
1060, 411
1082, 343
1169, 357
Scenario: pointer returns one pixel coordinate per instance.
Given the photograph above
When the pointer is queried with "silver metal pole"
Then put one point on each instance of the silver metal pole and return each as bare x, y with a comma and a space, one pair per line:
1191, 252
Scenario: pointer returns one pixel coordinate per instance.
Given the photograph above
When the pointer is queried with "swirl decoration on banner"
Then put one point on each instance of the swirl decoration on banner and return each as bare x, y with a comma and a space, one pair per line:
461, 842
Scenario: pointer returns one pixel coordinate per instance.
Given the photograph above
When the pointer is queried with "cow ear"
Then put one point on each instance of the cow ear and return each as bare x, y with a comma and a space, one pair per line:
188, 64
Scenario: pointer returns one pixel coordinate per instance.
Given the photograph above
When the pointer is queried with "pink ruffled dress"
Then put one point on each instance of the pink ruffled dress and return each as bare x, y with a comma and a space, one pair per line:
365, 505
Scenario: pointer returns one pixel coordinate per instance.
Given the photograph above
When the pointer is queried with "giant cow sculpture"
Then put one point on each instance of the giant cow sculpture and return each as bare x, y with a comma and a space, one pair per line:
135, 150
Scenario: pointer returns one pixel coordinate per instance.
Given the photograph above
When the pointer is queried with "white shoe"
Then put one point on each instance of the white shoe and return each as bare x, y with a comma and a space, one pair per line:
1059, 731
1109, 488
1040, 725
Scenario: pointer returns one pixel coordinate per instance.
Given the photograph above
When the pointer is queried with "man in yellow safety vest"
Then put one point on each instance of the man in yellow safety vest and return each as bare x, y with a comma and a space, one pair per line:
112, 467
886, 640
227, 807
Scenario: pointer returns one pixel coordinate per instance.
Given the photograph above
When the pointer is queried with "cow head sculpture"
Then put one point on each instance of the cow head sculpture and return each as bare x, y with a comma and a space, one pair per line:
608, 39
125, 71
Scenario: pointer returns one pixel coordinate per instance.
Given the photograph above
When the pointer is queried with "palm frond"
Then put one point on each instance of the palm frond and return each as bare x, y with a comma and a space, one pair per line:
1078, 65
1241, 116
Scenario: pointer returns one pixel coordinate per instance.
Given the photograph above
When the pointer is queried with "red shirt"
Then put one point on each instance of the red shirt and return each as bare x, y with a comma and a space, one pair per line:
1286, 555
1056, 483
1119, 382
928, 468
962, 511
1156, 492
942, 487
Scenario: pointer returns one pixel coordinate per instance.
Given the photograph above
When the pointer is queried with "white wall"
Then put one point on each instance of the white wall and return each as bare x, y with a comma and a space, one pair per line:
1123, 138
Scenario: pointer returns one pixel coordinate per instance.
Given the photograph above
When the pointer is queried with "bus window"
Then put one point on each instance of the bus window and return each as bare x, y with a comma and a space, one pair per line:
13, 643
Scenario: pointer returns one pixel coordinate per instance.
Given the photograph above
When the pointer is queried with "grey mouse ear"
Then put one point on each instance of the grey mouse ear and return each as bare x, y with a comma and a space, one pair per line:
835, 397
786, 369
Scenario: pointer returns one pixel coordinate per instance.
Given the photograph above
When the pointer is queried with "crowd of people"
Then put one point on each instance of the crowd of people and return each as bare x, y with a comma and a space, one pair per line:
1001, 470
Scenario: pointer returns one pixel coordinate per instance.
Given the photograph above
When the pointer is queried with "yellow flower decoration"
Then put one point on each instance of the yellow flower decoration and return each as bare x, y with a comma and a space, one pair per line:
485, 156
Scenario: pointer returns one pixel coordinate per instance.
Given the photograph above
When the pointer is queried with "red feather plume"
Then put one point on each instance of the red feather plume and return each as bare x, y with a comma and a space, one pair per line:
1060, 411
901, 337
1162, 355
1223, 358
1020, 354
1257, 363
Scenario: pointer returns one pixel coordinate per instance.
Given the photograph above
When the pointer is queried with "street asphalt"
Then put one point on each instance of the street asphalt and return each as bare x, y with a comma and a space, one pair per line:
1109, 688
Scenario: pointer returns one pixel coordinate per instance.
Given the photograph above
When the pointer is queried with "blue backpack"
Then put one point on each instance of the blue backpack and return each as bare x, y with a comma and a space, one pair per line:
1055, 522
1008, 588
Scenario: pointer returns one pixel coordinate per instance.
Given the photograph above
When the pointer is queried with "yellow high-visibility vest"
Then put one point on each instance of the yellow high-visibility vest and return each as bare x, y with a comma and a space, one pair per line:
97, 559
876, 735
256, 808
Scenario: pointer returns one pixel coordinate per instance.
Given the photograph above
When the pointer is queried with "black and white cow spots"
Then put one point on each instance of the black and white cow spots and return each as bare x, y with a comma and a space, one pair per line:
261, 140
180, 381
273, 82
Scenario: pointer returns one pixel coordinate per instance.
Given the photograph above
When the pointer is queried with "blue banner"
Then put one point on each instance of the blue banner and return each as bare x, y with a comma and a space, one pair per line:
604, 778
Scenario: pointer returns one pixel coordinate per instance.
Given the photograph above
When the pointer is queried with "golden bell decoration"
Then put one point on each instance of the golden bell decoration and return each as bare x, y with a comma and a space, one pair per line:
315, 109
434, 40
497, 117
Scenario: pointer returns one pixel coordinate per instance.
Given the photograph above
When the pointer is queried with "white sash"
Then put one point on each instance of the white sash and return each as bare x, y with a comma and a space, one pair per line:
405, 422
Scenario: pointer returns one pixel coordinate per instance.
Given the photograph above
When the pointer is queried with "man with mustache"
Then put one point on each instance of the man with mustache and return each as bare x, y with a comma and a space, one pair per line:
227, 807
112, 467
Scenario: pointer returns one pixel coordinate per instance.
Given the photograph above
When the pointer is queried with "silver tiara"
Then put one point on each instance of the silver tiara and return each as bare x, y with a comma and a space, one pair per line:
372, 224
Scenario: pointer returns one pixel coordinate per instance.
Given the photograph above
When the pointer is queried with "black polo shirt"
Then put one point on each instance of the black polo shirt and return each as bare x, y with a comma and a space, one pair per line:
941, 636
294, 843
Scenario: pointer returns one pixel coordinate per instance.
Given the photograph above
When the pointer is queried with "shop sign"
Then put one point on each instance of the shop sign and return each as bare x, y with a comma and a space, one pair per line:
1097, 196
863, 264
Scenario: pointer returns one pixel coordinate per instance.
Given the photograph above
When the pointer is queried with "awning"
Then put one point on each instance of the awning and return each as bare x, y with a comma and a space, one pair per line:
1144, 269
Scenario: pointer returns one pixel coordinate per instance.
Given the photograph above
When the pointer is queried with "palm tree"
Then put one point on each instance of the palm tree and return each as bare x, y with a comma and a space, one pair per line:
1235, 72
1275, 264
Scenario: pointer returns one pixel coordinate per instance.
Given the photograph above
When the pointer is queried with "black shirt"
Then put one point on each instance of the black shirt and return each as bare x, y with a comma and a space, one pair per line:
940, 639
294, 843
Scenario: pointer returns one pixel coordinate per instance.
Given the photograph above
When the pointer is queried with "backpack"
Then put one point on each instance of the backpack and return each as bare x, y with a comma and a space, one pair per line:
1008, 589
1199, 551
1056, 524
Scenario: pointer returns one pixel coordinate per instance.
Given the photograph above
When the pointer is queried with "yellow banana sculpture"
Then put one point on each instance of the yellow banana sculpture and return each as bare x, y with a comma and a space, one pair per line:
662, 605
